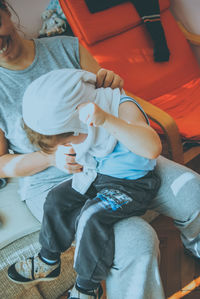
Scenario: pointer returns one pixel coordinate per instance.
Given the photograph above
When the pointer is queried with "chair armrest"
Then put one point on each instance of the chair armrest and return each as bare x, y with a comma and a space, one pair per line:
168, 125
192, 37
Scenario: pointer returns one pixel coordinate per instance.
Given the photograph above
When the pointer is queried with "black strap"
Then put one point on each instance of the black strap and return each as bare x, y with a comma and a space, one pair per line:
32, 270
96, 6
149, 11
143, 7
146, 7
89, 292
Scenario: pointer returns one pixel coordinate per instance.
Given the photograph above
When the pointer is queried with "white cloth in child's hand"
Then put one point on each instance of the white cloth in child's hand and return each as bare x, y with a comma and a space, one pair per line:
60, 157
86, 112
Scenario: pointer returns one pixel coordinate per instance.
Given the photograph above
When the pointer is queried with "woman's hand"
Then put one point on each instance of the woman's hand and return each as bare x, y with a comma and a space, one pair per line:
64, 158
91, 114
106, 78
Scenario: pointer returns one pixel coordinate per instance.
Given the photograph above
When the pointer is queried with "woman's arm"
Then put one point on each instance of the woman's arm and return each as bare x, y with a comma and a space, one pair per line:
105, 78
130, 128
12, 165
87, 61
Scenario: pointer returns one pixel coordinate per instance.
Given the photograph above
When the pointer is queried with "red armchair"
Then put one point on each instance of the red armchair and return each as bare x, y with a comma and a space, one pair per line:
169, 92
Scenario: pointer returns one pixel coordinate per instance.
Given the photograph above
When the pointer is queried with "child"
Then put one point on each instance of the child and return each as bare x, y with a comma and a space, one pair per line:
113, 141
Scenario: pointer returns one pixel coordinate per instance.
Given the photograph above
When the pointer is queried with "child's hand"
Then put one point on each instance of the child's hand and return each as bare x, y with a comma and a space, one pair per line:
65, 159
107, 78
91, 114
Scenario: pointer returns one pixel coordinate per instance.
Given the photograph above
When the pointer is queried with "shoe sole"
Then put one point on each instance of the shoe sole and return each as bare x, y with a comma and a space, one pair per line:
32, 281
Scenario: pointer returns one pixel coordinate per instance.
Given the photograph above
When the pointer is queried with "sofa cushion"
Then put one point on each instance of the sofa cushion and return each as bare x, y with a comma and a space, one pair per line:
96, 27
16, 220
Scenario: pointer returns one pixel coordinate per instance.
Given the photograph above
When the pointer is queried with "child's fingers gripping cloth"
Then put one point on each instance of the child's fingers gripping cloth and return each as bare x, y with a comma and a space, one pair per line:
60, 157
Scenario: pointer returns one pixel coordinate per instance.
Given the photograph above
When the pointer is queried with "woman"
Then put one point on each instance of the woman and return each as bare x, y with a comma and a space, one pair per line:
135, 269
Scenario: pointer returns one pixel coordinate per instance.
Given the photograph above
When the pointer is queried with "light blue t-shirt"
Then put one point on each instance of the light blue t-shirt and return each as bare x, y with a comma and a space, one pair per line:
122, 163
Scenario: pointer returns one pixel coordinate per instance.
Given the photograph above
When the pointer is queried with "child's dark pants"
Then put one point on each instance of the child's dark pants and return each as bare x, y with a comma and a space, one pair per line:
92, 216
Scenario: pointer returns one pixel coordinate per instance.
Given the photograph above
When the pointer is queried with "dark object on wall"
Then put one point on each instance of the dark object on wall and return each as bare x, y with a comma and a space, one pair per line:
149, 12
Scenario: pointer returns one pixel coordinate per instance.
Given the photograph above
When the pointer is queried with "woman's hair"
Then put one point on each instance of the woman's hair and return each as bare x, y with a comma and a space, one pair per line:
46, 143
6, 6
3, 5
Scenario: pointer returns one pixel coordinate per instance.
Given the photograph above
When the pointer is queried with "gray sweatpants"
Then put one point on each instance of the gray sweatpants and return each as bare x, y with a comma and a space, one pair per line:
135, 269
92, 216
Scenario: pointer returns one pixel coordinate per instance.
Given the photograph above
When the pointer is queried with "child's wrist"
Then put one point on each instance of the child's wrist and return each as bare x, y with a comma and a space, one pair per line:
106, 119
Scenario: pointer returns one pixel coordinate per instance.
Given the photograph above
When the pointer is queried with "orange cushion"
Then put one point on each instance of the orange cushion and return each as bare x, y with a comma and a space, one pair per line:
131, 55
184, 106
98, 26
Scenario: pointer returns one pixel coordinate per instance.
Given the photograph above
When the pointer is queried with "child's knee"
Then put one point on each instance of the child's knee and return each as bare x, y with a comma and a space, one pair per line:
52, 203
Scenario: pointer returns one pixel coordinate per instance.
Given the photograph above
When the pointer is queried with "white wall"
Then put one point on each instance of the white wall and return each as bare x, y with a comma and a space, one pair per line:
29, 12
188, 12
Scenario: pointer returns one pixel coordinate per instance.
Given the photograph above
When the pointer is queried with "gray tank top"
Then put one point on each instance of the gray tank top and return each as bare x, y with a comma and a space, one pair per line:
51, 53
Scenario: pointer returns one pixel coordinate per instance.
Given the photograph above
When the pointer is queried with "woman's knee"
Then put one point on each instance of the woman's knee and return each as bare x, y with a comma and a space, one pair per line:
134, 237
179, 185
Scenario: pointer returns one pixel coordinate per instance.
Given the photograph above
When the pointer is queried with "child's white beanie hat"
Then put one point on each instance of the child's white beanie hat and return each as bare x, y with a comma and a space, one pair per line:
50, 101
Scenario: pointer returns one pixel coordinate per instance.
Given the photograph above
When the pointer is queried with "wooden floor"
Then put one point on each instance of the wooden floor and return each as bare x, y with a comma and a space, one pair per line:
177, 269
